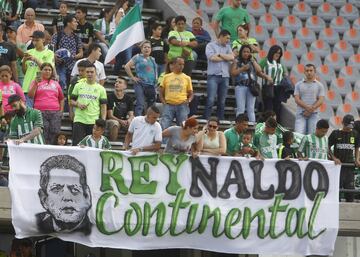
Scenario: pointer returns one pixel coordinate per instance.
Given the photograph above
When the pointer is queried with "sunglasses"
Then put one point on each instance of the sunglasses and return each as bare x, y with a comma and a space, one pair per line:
212, 126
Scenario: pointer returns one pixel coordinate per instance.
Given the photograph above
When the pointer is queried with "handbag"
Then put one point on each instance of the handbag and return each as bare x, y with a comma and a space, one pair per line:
254, 87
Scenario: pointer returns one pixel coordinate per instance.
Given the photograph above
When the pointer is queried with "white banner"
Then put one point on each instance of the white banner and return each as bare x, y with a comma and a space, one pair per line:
151, 201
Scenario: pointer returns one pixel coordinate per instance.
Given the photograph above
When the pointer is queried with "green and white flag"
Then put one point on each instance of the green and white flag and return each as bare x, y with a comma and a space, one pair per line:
129, 32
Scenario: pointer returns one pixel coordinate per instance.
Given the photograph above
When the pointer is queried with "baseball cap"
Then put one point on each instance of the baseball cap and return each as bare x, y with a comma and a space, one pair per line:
38, 34
348, 121
13, 98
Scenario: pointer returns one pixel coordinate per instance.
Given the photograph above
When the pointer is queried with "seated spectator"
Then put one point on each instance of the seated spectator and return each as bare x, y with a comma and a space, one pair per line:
144, 132
145, 79
210, 140
58, 21
234, 135
265, 140
97, 138
278, 131
181, 43
61, 139
49, 99
11, 10
102, 30
285, 150
10, 57
25, 31
94, 51
244, 39
159, 48
84, 30
202, 37
244, 69
8, 87
247, 148
182, 139
120, 109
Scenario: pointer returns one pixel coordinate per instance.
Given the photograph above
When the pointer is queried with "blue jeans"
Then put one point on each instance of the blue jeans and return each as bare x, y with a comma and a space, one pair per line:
144, 94
29, 101
216, 86
170, 111
245, 101
61, 72
306, 125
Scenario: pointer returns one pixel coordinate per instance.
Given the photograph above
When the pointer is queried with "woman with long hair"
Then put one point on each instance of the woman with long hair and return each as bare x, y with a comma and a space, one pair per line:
211, 141
244, 39
49, 99
102, 30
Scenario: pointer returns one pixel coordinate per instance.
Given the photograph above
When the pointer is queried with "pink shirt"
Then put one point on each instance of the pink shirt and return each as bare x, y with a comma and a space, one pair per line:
24, 32
9, 89
48, 96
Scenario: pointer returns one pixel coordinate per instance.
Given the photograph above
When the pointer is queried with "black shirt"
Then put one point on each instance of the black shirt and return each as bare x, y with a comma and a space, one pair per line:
7, 53
287, 151
58, 21
344, 144
158, 50
120, 107
85, 32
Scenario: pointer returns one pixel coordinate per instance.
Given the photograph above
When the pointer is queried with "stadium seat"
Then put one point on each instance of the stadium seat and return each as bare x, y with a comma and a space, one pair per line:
190, 3
209, 6
292, 22
353, 98
340, 85
256, 8
339, 24
326, 11
269, 22
344, 48
333, 99
262, 54
282, 34
329, 35
321, 48
227, 3
203, 15
311, 57
335, 61
347, 108
290, 2
337, 3
335, 122
357, 86
270, 42
252, 21
315, 23
354, 61
325, 111
289, 59
350, 73
349, 12
356, 24
306, 35
314, 3
302, 10
325, 73
259, 33
296, 47
356, 3
279, 9
352, 36
297, 72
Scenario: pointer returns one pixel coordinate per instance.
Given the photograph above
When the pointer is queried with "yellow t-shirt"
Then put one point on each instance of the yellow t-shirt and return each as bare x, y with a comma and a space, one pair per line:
176, 87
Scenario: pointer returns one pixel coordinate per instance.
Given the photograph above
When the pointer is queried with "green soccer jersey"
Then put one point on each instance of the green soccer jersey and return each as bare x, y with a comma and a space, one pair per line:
233, 140
266, 144
278, 131
21, 126
314, 147
176, 51
91, 95
102, 143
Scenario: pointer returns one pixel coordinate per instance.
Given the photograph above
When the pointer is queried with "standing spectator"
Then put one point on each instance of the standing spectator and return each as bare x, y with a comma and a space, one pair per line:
159, 48
68, 40
97, 138
144, 132
25, 31
285, 150
94, 56
231, 17
89, 99
309, 95
265, 140
11, 11
182, 139
181, 43
145, 79
27, 124
234, 135
120, 109
49, 99
20, 49
219, 56
211, 141
202, 37
170, 25
346, 143
84, 30
8, 87
244, 69
58, 21
102, 30
33, 59
148, 29
7, 53
176, 93
244, 39
271, 66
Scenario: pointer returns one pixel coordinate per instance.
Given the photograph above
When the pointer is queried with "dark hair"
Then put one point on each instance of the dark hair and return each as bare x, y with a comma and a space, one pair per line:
241, 50
271, 123
100, 123
214, 119
2, 27
322, 124
224, 33
241, 118
68, 18
248, 132
91, 65
83, 63
268, 114
310, 65
287, 135
63, 2
16, 243
5, 68
245, 27
155, 26
273, 50
93, 46
59, 135
180, 18
82, 8
357, 126
154, 109
46, 64
168, 21
104, 11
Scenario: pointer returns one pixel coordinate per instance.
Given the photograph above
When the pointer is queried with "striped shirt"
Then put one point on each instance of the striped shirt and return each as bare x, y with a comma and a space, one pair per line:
314, 147
6, 7
266, 144
273, 69
309, 92
102, 143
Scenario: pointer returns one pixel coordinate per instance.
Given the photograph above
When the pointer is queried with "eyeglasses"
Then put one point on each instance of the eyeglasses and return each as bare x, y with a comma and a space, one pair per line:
212, 126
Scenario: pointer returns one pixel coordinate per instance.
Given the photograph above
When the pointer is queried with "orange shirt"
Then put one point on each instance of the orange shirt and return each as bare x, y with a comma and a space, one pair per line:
24, 32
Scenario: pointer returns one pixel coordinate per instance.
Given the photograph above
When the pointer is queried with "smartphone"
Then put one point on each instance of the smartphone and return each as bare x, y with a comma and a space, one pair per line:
38, 75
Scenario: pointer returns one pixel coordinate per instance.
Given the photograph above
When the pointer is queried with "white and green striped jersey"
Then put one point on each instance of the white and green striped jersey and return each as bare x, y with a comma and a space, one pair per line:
102, 143
314, 147
266, 144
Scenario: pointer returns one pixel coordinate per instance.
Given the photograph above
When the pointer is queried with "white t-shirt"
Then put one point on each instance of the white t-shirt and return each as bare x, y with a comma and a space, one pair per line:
100, 71
144, 134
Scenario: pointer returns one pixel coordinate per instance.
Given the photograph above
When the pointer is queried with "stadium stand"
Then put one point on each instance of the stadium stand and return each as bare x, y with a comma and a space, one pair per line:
320, 47
269, 22
339, 24
292, 23
279, 9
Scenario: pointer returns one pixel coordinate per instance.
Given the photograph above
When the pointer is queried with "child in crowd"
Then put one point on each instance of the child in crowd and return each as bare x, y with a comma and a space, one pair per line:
247, 149
58, 21
97, 138
61, 139
285, 151
159, 47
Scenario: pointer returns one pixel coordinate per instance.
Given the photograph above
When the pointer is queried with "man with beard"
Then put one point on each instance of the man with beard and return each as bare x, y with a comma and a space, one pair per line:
65, 196
27, 124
